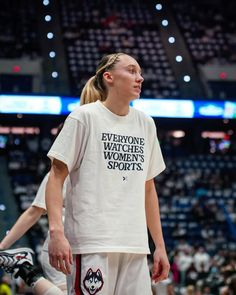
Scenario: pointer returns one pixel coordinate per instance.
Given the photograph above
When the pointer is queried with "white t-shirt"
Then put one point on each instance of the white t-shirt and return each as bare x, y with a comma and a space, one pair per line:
109, 158
39, 201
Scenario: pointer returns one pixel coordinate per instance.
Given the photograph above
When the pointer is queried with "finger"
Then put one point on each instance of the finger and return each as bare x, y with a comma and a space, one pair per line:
53, 261
162, 274
156, 276
161, 277
156, 268
70, 256
68, 266
61, 266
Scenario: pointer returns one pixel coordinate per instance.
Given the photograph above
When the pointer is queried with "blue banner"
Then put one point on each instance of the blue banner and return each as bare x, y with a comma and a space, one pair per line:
160, 108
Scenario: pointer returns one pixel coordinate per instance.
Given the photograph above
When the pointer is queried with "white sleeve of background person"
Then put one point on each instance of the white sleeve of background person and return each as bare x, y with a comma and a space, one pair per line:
68, 144
156, 162
39, 200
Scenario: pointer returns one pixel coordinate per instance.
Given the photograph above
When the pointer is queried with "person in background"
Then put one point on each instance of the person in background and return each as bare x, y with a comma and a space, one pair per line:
30, 217
19, 263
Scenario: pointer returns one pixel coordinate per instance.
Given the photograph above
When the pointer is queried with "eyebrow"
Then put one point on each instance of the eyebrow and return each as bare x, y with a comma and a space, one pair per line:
134, 66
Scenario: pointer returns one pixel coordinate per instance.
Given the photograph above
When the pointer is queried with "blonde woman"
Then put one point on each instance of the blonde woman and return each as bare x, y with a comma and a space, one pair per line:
111, 152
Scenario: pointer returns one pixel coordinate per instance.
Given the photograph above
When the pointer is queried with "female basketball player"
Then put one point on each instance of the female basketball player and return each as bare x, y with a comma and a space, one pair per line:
112, 155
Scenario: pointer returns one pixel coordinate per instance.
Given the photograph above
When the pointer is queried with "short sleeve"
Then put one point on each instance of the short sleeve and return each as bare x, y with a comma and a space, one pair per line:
69, 145
156, 162
39, 200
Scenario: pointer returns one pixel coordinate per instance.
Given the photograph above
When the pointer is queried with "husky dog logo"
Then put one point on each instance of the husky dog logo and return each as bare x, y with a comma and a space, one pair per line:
93, 281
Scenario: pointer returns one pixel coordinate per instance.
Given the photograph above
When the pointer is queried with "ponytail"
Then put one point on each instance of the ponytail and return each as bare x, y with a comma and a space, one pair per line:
92, 92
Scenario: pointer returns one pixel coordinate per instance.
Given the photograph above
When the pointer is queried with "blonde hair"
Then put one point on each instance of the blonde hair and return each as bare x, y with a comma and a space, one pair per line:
95, 88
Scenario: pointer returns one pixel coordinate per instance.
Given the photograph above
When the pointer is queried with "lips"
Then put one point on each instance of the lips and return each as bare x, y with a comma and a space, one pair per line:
138, 87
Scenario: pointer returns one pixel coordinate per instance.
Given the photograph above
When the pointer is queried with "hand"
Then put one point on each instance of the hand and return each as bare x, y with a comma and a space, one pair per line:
161, 265
60, 255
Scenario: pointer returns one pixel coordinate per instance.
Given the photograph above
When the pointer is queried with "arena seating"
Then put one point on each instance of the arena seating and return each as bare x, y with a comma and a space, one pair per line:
197, 191
18, 30
90, 32
197, 200
209, 30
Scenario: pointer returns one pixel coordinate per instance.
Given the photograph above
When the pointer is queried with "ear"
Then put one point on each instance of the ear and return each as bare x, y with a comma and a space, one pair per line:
89, 272
98, 273
108, 77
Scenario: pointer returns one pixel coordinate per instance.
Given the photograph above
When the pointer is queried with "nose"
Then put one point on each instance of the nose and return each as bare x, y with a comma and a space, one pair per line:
140, 78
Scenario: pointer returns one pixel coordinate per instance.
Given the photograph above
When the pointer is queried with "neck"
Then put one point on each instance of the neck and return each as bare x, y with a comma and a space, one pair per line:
118, 107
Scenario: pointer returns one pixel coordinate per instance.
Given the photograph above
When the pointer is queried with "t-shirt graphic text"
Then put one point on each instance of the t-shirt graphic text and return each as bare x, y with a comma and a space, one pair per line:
123, 152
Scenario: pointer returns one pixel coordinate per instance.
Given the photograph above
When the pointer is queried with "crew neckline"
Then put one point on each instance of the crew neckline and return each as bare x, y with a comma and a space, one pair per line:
113, 115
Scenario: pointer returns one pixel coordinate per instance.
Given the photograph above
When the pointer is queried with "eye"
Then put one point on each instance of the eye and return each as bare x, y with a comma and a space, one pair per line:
132, 71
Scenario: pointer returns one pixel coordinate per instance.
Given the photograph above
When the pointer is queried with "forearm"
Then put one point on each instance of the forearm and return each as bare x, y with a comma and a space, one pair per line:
54, 200
153, 214
54, 205
60, 255
22, 225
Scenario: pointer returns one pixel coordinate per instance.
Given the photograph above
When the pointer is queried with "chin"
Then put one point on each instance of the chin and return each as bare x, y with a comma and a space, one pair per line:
134, 98
136, 95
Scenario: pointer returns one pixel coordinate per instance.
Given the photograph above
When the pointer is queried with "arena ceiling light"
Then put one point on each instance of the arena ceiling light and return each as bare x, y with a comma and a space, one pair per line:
54, 74
164, 22
45, 2
52, 54
178, 58
187, 78
171, 40
48, 18
159, 6
50, 35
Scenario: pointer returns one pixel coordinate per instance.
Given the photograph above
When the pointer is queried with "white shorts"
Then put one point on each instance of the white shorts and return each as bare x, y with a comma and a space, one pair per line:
110, 274
56, 277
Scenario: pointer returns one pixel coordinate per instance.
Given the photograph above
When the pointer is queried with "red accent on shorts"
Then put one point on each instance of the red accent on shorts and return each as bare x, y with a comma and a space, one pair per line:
77, 287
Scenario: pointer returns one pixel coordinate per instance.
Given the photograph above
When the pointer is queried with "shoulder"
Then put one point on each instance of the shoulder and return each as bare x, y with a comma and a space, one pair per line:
81, 116
83, 111
146, 119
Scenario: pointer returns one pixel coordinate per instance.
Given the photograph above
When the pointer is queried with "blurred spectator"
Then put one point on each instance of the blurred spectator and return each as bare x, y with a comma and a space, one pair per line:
201, 260
191, 275
190, 290
5, 283
184, 261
